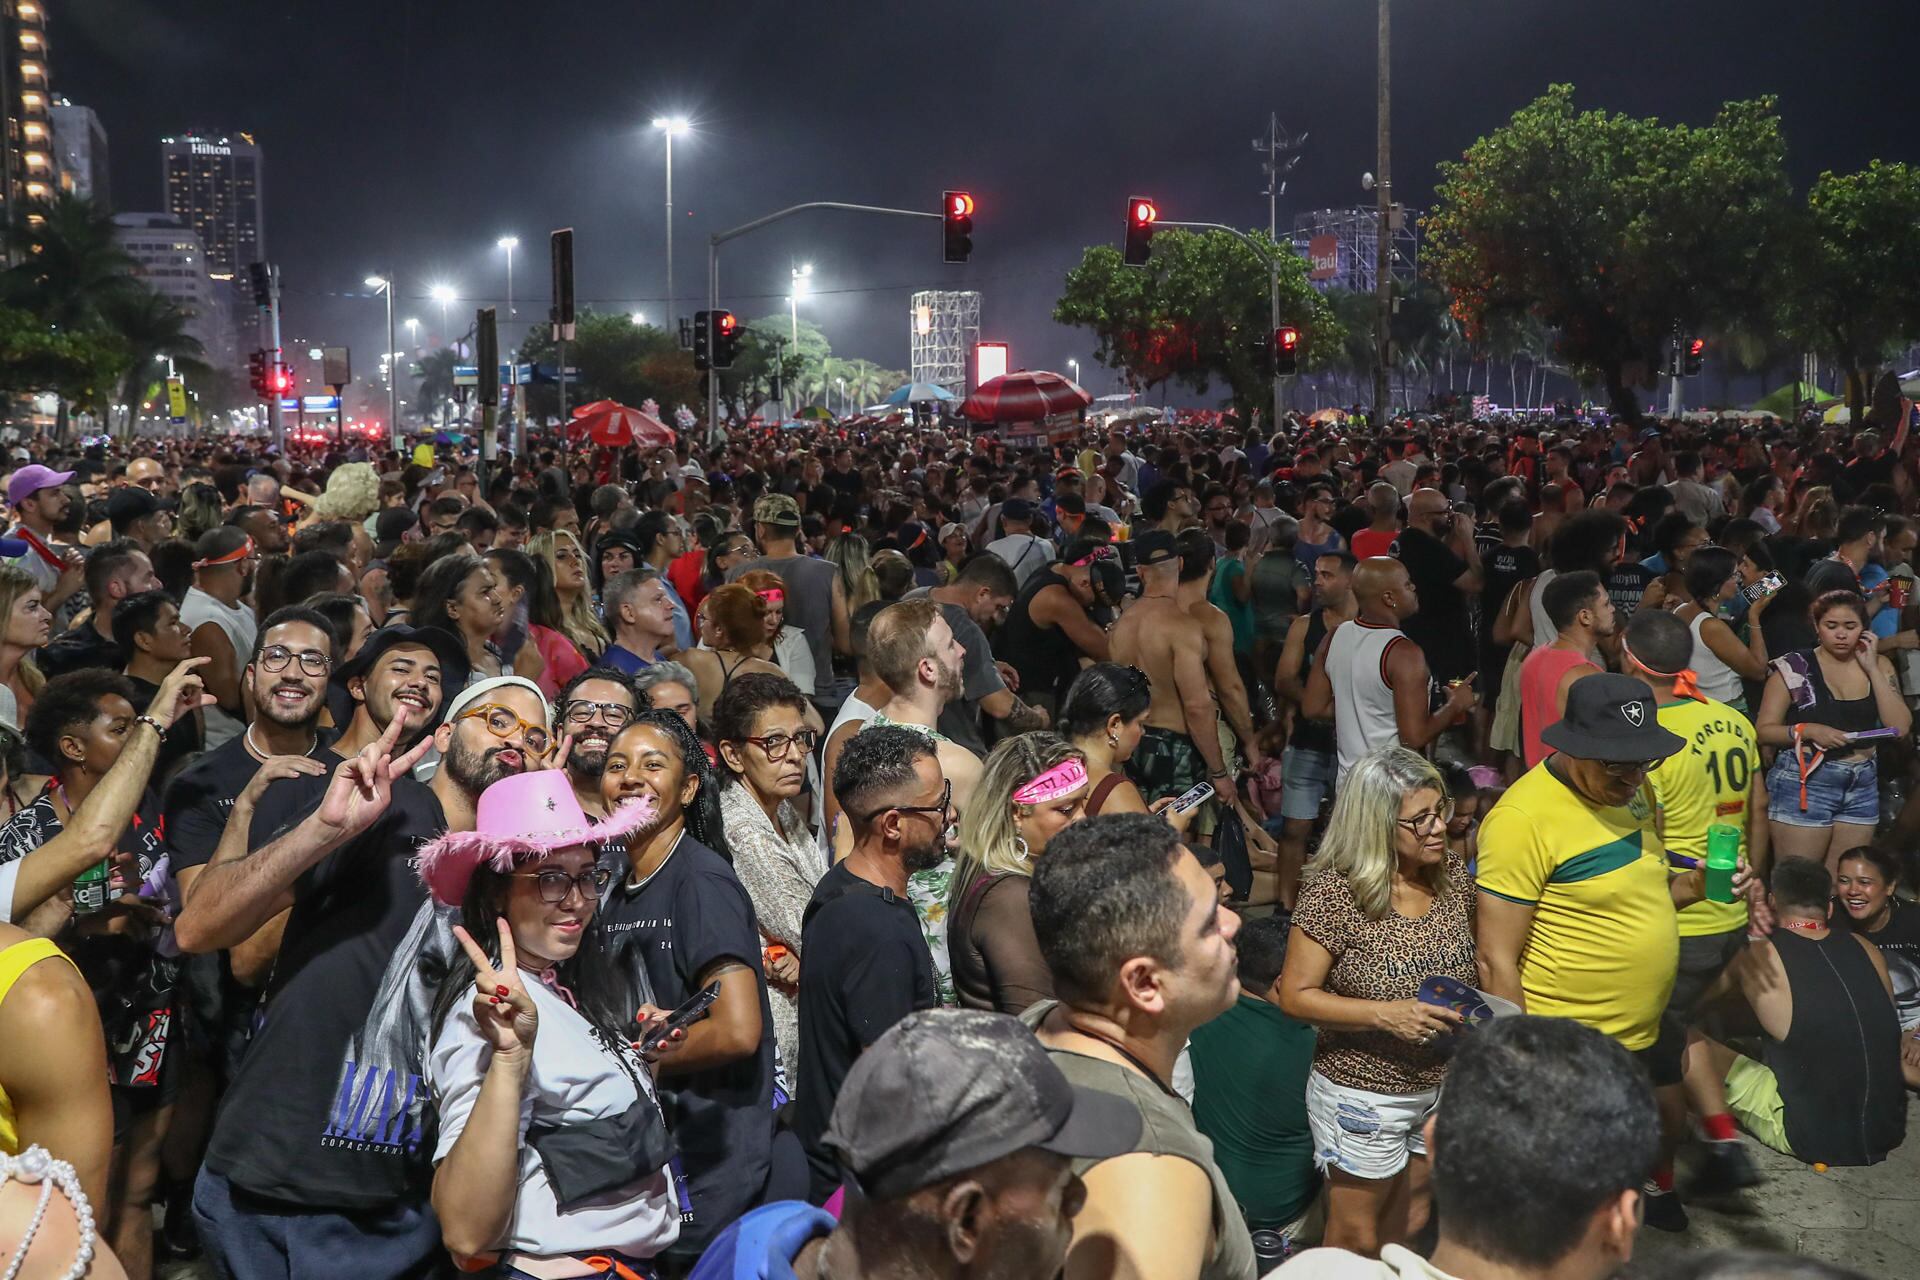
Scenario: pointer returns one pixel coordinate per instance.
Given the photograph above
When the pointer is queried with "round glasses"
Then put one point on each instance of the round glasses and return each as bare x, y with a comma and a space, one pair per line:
277, 657
501, 722
1425, 824
555, 885
779, 746
580, 711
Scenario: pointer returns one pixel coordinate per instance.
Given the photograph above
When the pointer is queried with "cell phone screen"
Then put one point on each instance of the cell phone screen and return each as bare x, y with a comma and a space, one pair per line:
1198, 795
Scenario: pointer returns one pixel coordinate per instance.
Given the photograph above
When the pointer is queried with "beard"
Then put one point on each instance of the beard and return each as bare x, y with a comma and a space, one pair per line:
589, 764
952, 683
475, 771
270, 709
924, 857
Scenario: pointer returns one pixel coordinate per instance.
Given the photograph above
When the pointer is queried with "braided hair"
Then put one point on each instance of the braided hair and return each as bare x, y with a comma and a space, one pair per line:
703, 814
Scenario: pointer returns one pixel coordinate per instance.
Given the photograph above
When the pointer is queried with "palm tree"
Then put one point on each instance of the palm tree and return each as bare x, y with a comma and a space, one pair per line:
70, 267
150, 328
436, 378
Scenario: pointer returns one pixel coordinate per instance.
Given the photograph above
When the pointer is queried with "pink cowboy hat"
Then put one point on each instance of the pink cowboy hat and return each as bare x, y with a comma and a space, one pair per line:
521, 818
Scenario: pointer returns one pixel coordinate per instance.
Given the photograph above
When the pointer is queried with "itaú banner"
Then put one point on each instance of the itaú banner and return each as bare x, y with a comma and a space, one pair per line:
1323, 257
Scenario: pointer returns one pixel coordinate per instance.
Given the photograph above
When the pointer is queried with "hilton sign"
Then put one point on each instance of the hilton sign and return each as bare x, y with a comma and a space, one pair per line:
211, 149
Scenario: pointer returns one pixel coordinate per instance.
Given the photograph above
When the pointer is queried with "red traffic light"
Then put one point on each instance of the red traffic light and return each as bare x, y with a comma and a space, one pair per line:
1143, 212
959, 204
725, 322
1286, 338
1696, 346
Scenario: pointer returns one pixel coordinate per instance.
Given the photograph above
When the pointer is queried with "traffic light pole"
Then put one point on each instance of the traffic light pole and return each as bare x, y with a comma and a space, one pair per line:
1273, 291
276, 425
719, 238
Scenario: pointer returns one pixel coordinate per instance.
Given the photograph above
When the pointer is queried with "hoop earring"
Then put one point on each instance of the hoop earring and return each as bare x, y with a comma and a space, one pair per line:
1020, 849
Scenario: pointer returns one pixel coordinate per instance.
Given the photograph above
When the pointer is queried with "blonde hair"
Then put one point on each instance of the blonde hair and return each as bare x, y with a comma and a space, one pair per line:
1361, 844
848, 553
578, 622
15, 582
987, 833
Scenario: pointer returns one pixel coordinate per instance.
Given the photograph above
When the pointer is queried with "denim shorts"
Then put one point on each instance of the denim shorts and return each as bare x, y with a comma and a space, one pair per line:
1368, 1135
1837, 791
1306, 779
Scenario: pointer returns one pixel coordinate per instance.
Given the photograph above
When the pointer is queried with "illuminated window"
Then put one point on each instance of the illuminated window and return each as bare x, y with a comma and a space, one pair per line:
35, 190
29, 69
34, 129
29, 11
30, 99
28, 40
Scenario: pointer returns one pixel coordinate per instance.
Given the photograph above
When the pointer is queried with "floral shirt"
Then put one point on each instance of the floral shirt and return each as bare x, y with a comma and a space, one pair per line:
928, 890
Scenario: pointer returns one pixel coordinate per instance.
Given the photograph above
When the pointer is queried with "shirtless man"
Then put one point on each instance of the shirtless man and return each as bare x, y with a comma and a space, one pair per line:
911, 649
1181, 744
1307, 767
1197, 554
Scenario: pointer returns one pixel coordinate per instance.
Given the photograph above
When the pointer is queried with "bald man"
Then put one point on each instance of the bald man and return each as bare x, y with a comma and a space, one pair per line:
1437, 547
1372, 681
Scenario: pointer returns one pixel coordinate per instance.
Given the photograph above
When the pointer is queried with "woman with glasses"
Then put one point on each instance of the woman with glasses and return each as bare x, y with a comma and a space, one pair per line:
764, 738
551, 1146
579, 621
461, 595
1033, 787
736, 624
1386, 906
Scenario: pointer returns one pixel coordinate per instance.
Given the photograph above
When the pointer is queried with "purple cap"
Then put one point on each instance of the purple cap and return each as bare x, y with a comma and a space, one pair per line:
31, 479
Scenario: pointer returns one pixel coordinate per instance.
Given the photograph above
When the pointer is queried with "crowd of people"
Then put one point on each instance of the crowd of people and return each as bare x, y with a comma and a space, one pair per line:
1179, 851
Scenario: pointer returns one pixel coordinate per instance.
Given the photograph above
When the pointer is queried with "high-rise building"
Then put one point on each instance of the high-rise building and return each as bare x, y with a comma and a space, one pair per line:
168, 256
215, 186
80, 152
27, 170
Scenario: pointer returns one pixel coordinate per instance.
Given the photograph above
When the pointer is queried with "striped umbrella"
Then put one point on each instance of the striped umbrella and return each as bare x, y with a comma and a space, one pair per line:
1024, 397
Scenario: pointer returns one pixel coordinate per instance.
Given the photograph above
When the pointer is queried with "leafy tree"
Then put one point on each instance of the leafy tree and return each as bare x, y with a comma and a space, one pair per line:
618, 360
151, 328
435, 371
1197, 312
1854, 263
1613, 230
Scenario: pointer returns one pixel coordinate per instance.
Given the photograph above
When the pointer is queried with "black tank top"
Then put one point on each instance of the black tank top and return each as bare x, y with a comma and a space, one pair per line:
1313, 735
1046, 657
1839, 1067
1849, 715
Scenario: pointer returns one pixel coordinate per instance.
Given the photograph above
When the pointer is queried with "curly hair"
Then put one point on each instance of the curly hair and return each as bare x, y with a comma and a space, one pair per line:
739, 615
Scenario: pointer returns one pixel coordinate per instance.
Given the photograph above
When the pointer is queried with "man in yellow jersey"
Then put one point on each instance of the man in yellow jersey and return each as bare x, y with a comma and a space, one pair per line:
1715, 779
1578, 914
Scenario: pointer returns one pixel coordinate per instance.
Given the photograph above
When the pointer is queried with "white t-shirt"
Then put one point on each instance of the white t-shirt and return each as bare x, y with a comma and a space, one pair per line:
1024, 553
574, 1078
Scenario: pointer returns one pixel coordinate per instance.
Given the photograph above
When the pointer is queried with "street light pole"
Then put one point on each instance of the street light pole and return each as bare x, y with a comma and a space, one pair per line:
1383, 248
509, 243
393, 373
670, 125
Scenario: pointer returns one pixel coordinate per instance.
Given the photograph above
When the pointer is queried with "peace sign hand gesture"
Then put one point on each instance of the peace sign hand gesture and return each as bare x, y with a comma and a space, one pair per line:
501, 1006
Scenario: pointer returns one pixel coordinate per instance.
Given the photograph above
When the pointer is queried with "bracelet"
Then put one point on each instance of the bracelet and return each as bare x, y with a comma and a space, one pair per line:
153, 724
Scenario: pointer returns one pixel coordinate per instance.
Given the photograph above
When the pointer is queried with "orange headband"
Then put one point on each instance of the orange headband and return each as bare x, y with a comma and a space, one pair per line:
1686, 681
232, 557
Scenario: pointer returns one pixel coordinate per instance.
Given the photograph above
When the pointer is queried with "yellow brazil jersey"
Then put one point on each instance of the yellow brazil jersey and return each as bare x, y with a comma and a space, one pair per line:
1705, 783
1604, 948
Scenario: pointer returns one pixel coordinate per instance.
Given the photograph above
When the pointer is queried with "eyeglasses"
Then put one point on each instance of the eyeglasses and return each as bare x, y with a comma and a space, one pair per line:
943, 808
276, 657
1424, 824
501, 723
1628, 768
581, 711
779, 745
555, 884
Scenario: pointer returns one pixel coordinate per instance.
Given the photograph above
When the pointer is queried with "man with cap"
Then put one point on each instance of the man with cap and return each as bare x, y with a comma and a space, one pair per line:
400, 672
1025, 551
957, 1139
816, 598
1180, 746
321, 1143
133, 512
1578, 912
40, 503
223, 628
1050, 627
1141, 950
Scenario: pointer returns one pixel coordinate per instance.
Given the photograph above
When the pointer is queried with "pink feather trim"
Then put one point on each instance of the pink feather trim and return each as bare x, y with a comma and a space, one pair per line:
445, 864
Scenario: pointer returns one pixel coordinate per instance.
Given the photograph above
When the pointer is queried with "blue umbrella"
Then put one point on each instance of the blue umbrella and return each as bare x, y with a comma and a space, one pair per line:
919, 393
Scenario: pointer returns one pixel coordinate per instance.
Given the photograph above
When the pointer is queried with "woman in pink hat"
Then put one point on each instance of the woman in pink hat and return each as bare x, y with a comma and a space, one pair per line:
552, 1152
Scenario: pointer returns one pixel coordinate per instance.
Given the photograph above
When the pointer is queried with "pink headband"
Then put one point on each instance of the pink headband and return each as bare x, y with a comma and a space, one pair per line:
1067, 776
772, 595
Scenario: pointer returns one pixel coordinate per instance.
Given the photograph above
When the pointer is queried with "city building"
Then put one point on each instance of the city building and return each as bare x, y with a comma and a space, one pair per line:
168, 256
80, 152
27, 170
214, 185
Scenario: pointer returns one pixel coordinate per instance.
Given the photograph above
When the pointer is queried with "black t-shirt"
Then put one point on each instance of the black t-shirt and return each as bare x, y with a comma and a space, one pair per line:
201, 796
1504, 568
1899, 943
77, 649
1625, 586
1863, 473
1831, 574
1440, 626
867, 966
688, 915
328, 1109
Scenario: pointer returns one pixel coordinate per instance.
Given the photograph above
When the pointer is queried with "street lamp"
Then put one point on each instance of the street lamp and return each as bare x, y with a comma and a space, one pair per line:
442, 294
384, 284
509, 243
802, 274
669, 126
638, 318
413, 332
1075, 365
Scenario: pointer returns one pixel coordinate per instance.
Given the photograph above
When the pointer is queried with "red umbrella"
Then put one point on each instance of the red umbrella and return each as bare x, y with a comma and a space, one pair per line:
1024, 397
609, 423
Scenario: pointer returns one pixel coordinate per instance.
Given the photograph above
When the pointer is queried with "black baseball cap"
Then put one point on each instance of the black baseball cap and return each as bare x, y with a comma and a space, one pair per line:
1612, 718
1155, 546
125, 505
455, 666
1016, 509
950, 1090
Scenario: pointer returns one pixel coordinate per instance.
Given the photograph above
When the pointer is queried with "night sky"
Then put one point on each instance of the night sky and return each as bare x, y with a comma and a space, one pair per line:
418, 133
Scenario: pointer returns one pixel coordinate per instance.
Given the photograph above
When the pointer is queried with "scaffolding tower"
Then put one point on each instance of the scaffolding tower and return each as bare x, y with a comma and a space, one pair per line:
943, 327
1341, 247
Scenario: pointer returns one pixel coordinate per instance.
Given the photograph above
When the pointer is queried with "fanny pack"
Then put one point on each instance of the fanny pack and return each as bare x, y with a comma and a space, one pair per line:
591, 1157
